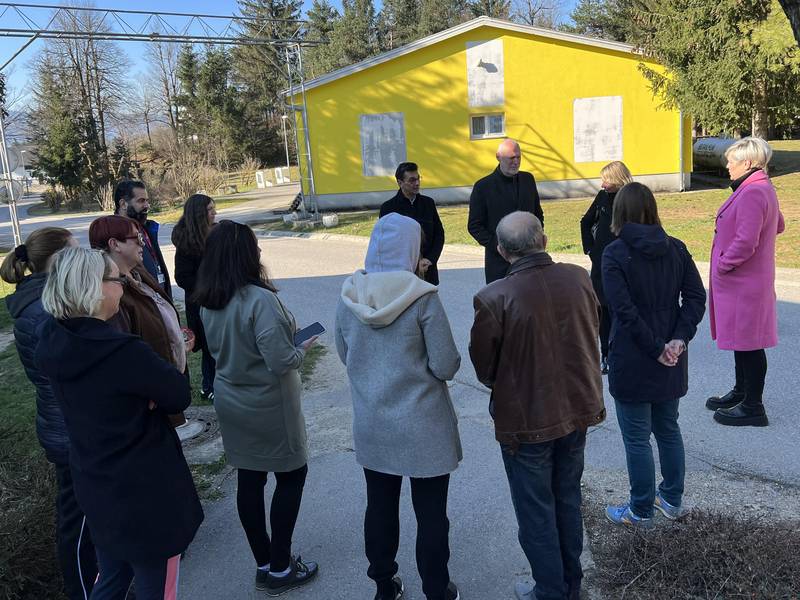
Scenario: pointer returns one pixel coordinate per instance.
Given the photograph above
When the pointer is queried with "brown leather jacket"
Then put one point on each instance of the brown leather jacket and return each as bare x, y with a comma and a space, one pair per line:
534, 342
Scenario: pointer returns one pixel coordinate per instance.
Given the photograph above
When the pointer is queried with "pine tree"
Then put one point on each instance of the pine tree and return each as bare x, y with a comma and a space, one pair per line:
438, 15
398, 23
354, 36
606, 19
497, 9
322, 18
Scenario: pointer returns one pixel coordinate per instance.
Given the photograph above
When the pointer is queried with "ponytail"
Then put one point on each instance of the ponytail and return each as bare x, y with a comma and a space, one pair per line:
34, 254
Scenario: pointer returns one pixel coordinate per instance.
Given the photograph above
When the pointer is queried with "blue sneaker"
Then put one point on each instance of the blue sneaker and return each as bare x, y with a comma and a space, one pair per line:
623, 515
673, 513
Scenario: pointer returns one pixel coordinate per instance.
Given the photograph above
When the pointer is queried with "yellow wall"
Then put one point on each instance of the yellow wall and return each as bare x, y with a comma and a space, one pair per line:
542, 79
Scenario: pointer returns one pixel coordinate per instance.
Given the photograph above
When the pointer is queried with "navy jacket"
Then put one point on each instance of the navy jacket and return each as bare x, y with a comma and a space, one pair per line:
152, 257
424, 212
25, 307
655, 295
596, 235
129, 473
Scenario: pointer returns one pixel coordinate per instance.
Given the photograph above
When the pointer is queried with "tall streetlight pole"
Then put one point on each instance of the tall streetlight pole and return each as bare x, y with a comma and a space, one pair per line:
24, 172
285, 142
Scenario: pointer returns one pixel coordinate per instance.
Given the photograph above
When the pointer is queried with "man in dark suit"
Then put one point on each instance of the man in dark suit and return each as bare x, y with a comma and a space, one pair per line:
506, 190
410, 203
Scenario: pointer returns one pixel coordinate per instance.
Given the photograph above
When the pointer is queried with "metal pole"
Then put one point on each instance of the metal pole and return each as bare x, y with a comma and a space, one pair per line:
24, 173
12, 206
285, 141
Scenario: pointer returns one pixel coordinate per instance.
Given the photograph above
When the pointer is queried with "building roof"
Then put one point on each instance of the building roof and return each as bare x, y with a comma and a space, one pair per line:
458, 30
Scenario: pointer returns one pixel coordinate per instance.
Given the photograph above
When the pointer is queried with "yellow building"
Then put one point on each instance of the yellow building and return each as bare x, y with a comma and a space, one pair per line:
445, 102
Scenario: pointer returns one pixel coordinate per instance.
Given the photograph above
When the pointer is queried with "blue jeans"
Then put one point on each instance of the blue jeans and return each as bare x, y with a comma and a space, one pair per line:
545, 482
637, 420
208, 366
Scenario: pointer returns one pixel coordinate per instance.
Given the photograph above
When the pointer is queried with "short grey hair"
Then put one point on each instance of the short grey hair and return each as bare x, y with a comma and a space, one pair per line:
74, 285
520, 233
754, 149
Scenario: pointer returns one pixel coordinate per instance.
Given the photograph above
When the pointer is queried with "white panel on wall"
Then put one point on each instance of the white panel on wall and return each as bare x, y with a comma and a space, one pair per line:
383, 143
598, 129
485, 79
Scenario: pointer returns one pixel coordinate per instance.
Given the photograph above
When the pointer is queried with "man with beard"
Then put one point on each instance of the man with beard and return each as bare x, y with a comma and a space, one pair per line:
130, 200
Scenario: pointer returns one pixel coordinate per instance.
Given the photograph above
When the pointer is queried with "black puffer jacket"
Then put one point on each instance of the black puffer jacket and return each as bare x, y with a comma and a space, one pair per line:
25, 306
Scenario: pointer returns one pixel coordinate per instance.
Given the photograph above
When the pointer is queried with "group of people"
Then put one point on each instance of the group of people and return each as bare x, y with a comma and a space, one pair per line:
100, 338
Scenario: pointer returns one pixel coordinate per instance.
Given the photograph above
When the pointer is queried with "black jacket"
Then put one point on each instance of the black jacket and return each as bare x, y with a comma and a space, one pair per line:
152, 257
655, 295
25, 306
186, 267
128, 469
492, 198
423, 211
596, 235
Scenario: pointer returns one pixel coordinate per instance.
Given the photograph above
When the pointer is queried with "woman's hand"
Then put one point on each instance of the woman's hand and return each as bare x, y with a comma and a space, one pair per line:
308, 343
188, 338
672, 351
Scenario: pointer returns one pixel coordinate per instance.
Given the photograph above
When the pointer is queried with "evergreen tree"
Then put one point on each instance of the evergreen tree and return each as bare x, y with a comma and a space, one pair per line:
398, 23
354, 36
438, 15
732, 64
322, 18
606, 19
497, 9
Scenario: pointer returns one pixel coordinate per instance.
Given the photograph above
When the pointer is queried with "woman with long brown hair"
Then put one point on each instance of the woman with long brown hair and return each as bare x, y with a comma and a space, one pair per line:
189, 237
27, 267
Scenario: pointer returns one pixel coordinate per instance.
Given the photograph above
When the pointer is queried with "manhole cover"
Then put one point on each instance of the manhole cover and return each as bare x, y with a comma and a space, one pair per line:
201, 426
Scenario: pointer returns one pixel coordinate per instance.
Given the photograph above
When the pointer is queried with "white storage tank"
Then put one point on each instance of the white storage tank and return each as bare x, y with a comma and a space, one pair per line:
709, 153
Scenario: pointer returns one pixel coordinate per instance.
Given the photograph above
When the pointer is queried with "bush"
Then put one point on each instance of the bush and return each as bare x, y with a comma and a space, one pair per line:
53, 199
705, 556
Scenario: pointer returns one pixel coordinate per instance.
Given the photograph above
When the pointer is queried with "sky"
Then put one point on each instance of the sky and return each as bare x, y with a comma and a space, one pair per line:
19, 72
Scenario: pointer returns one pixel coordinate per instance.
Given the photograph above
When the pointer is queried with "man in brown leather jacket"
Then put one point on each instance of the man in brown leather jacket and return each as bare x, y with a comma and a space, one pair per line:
534, 343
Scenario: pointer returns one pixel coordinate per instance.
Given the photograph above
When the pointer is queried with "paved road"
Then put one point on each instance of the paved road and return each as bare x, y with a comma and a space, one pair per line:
485, 555
258, 206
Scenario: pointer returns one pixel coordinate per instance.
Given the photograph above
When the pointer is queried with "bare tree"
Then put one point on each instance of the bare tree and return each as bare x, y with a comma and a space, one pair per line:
164, 82
541, 13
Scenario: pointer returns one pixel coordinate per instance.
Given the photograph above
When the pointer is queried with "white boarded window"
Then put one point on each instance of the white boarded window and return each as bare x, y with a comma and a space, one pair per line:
597, 129
485, 79
487, 126
383, 143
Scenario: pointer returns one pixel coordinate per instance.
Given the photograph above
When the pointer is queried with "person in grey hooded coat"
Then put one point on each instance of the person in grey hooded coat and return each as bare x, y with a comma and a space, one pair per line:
393, 336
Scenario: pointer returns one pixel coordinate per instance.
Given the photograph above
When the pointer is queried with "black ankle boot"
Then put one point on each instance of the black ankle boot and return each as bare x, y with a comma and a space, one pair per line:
743, 414
729, 400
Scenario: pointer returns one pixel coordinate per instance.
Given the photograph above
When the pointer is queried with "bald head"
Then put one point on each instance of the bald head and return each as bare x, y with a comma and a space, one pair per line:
509, 156
520, 234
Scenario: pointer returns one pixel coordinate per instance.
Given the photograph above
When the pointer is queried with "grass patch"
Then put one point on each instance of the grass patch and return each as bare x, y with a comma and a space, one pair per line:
688, 216
705, 556
205, 475
313, 356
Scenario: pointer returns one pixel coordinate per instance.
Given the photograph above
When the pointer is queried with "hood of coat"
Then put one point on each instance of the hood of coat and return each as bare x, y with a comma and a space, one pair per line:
28, 291
649, 240
377, 299
67, 349
394, 245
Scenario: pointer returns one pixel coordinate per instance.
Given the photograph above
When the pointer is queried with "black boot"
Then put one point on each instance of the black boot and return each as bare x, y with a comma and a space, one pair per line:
743, 414
729, 400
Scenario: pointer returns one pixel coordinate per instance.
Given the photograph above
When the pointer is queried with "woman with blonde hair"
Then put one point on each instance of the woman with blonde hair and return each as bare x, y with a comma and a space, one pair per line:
742, 302
27, 267
596, 234
130, 476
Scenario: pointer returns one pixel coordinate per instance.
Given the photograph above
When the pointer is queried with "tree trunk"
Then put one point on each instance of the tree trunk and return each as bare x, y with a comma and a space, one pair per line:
760, 119
792, 10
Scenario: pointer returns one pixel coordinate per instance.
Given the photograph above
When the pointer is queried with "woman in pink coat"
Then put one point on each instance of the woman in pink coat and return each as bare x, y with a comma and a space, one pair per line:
742, 283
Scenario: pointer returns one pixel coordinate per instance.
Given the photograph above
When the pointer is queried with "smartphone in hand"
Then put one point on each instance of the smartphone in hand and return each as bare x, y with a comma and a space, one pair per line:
301, 335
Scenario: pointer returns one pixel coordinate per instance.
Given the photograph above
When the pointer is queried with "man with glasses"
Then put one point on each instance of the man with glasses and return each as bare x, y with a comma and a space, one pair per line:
131, 200
410, 203
505, 190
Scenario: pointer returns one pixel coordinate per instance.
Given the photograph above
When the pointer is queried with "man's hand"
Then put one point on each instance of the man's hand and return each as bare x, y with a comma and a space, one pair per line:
424, 265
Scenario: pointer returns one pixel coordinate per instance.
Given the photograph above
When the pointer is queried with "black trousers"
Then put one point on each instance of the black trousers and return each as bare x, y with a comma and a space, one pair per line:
751, 372
382, 531
76, 553
282, 514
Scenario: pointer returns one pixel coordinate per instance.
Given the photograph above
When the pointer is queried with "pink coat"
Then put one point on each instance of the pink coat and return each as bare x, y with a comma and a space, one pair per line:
742, 303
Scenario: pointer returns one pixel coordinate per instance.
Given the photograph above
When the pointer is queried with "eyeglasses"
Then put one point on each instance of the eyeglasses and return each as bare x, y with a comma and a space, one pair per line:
122, 280
138, 237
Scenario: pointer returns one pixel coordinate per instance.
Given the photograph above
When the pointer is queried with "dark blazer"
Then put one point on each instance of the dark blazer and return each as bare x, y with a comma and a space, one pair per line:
534, 342
186, 267
655, 295
128, 469
598, 218
424, 212
25, 307
152, 257
492, 198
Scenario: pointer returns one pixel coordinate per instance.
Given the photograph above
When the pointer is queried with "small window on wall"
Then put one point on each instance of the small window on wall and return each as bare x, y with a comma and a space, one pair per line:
487, 126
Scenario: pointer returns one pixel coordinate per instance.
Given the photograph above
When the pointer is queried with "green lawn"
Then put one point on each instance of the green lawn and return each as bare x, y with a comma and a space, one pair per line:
688, 216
